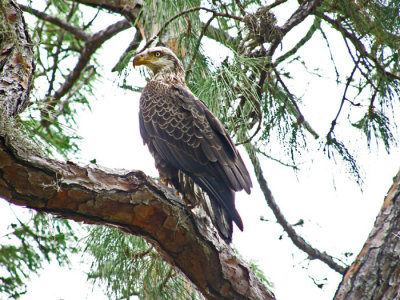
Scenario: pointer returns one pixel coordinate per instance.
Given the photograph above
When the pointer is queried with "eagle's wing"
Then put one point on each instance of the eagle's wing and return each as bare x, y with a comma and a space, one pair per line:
184, 133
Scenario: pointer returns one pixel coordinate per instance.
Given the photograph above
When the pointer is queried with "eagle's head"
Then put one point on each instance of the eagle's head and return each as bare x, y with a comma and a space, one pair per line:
161, 60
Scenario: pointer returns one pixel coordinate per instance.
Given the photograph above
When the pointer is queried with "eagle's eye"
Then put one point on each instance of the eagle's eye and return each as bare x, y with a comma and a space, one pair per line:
157, 54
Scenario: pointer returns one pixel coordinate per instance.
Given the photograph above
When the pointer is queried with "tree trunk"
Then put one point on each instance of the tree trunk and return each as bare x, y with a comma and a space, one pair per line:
128, 200
375, 274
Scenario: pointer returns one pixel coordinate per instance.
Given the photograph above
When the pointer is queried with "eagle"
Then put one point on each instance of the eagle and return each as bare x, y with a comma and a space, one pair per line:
189, 144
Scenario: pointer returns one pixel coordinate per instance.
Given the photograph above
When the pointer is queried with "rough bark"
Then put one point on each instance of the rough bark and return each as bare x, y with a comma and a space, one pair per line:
376, 271
16, 61
128, 200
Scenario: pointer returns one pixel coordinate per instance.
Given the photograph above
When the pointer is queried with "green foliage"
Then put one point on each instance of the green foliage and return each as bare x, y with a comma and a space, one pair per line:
376, 125
28, 244
128, 266
50, 118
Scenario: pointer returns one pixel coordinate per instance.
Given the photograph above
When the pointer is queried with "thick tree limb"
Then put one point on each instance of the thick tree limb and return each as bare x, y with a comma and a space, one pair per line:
375, 272
137, 205
128, 200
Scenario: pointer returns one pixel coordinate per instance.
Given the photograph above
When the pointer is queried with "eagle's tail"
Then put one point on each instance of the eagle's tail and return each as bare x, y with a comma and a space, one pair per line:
217, 201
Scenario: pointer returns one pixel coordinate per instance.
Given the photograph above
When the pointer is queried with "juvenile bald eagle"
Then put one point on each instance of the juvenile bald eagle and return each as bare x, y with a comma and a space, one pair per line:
188, 141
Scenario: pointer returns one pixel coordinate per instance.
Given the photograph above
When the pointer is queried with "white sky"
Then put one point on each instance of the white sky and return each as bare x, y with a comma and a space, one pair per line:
337, 215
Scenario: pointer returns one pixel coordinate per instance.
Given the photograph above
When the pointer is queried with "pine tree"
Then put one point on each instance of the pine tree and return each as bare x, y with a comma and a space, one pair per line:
53, 62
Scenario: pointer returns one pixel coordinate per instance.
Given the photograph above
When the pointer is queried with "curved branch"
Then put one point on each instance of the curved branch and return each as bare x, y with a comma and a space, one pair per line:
91, 45
137, 205
80, 34
300, 243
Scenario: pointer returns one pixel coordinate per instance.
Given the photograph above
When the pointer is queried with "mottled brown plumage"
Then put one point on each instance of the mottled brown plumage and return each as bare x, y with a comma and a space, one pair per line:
188, 142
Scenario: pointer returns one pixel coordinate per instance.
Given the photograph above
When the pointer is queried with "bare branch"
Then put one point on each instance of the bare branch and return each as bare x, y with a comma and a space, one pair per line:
80, 34
295, 238
91, 45
334, 121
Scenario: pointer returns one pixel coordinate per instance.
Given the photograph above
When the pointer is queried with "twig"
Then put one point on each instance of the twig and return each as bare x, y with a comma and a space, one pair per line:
334, 122
295, 238
58, 51
294, 167
330, 52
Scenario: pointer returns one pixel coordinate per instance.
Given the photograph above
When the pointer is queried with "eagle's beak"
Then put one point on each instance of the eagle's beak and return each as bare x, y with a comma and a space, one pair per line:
141, 59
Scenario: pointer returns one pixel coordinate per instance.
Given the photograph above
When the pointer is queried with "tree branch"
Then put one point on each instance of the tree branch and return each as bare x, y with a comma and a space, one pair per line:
295, 238
302, 42
134, 44
304, 10
137, 205
80, 34
334, 121
358, 45
91, 45
294, 108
